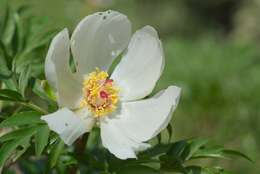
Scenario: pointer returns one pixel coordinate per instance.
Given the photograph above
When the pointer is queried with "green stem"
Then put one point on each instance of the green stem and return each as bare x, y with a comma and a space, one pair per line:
34, 107
80, 146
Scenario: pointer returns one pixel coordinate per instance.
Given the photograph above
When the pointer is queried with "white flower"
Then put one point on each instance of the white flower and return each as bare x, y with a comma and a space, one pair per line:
90, 96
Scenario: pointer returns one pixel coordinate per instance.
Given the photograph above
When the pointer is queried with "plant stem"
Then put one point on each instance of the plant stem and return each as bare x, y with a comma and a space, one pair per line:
79, 151
34, 107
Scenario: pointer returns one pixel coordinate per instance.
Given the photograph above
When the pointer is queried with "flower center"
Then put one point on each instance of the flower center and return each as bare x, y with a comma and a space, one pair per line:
100, 94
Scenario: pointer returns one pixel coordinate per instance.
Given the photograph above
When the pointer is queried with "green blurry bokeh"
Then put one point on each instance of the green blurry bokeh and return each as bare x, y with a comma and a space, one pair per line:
212, 53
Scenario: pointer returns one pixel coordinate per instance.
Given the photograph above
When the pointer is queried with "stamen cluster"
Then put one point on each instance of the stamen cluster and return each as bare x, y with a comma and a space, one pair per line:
100, 94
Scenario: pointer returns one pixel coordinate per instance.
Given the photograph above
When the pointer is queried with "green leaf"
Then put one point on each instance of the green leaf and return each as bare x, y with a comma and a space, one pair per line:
155, 151
138, 169
236, 153
194, 146
22, 118
4, 19
211, 152
5, 73
56, 152
169, 130
18, 38
41, 40
41, 139
198, 170
177, 149
159, 138
9, 147
10, 95
9, 29
25, 145
18, 133
68, 160
39, 88
24, 79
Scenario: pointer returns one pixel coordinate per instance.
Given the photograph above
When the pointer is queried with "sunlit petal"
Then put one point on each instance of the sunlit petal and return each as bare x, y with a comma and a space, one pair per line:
98, 39
144, 119
117, 142
141, 66
69, 125
58, 73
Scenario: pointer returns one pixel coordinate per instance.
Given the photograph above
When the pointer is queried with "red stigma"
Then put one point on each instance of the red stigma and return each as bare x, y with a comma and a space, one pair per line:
109, 81
103, 95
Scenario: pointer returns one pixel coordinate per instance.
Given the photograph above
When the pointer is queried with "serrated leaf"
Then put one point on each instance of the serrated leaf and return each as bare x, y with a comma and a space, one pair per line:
41, 139
22, 118
10, 95
18, 133
56, 152
138, 169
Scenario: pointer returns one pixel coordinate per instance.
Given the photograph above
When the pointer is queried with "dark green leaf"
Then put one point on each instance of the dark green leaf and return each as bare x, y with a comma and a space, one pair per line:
24, 146
159, 138
5, 73
236, 153
24, 79
10, 95
41, 40
39, 88
155, 151
18, 133
9, 147
18, 38
198, 170
41, 139
22, 118
56, 152
68, 160
177, 149
194, 146
9, 29
139, 169
169, 130
211, 152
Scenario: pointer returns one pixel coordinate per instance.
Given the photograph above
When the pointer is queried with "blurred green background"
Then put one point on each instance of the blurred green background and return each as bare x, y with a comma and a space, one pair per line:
212, 52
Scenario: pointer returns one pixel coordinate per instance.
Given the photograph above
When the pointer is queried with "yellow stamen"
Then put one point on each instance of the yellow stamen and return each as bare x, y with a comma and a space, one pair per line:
100, 94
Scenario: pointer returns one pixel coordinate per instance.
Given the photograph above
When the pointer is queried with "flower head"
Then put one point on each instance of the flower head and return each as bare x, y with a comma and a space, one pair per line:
115, 101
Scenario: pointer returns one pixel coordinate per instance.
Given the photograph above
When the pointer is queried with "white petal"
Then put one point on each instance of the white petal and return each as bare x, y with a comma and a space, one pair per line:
58, 73
144, 119
98, 39
68, 125
117, 142
141, 66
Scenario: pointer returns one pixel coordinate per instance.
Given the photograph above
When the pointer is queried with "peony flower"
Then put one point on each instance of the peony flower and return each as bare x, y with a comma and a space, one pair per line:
90, 96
